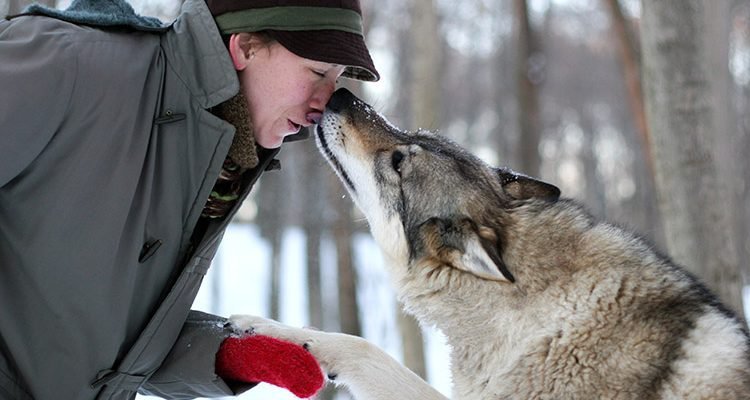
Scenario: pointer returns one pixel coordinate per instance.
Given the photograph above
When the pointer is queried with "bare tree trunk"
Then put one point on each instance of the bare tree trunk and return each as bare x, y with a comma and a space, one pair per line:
682, 116
630, 69
412, 342
745, 194
501, 97
402, 107
347, 277
595, 191
425, 71
727, 132
628, 49
275, 292
271, 223
313, 224
16, 6
528, 104
741, 12
314, 289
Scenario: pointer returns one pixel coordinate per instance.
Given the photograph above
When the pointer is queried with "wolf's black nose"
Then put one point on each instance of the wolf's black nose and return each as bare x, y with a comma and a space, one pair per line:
341, 99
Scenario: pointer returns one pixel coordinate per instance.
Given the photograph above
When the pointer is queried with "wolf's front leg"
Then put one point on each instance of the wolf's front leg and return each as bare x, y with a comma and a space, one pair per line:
367, 371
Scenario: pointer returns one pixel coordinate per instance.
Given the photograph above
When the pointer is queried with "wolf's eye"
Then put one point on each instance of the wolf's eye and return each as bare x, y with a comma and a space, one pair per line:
396, 158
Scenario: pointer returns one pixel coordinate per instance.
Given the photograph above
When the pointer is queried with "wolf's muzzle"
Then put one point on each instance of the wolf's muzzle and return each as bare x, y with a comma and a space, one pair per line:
334, 108
341, 100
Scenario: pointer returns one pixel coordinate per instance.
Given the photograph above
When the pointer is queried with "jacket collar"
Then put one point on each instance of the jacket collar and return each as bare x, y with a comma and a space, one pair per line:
199, 56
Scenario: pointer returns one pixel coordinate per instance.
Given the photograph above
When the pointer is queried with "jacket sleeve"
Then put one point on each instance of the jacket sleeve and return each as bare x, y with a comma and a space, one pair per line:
188, 371
37, 76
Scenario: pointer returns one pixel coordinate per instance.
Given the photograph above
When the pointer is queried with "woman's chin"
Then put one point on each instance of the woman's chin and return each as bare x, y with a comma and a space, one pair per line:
270, 142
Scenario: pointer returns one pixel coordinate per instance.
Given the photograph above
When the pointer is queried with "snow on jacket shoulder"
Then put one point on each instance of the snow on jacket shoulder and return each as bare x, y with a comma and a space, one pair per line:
107, 155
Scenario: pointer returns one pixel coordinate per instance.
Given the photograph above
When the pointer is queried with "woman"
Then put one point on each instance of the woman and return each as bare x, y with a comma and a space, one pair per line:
120, 169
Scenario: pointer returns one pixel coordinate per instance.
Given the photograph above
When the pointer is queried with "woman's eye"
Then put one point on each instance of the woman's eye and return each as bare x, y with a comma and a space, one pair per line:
396, 159
319, 73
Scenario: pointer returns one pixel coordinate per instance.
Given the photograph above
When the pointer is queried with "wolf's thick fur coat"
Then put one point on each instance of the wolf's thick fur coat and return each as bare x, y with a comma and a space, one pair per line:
537, 299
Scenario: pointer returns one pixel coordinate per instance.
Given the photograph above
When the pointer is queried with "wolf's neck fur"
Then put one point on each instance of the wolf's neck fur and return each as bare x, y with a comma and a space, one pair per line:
541, 259
529, 246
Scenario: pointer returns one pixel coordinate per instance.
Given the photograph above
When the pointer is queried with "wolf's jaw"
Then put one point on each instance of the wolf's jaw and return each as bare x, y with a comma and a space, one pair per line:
323, 145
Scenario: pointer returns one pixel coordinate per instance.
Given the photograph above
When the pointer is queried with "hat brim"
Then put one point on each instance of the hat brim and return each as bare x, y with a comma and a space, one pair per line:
331, 46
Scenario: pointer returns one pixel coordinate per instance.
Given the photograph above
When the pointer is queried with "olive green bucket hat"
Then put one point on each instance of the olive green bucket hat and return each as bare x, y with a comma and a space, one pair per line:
321, 30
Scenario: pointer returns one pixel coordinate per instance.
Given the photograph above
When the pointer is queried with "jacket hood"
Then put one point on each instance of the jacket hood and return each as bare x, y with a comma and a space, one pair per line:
100, 13
194, 42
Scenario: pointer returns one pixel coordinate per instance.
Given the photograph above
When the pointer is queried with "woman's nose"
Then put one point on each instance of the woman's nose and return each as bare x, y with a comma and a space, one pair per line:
322, 94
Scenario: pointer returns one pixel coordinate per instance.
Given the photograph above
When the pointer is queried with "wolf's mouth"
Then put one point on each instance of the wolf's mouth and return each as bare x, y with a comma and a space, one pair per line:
334, 161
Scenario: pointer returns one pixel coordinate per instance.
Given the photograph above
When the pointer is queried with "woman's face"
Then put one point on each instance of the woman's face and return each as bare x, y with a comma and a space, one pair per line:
284, 91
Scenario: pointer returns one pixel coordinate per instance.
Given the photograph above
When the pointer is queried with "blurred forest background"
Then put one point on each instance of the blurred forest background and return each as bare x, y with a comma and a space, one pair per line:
639, 109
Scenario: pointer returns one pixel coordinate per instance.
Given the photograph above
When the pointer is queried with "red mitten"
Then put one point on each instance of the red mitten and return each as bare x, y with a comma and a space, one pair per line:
259, 358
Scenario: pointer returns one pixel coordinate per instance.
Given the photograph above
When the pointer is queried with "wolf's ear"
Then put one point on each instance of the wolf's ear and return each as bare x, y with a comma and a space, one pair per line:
466, 246
522, 187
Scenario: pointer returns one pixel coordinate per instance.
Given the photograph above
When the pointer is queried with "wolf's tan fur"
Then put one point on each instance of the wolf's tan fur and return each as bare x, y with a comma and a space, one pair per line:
537, 299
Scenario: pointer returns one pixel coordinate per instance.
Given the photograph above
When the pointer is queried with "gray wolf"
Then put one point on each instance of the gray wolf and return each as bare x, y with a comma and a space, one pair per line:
537, 299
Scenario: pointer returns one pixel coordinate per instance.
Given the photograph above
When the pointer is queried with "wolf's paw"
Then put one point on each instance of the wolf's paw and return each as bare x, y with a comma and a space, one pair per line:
261, 326
307, 338
248, 323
